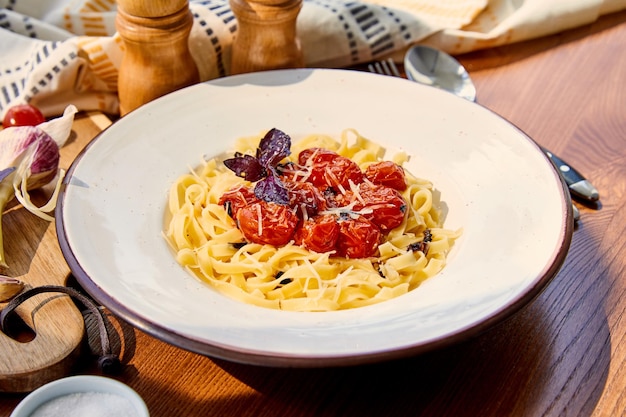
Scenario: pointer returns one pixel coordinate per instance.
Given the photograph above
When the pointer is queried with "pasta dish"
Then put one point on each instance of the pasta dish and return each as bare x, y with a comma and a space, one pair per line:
320, 224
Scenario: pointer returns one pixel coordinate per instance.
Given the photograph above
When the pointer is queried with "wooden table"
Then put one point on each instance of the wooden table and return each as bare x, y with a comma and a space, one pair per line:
563, 354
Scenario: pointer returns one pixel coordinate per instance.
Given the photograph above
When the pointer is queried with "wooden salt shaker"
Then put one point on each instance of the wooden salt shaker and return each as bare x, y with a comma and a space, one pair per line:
156, 59
266, 35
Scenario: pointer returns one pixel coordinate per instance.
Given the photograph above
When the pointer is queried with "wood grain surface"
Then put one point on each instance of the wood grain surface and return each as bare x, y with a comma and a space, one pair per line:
562, 355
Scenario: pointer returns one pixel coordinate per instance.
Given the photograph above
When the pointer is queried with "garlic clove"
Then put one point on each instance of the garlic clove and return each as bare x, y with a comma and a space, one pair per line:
9, 287
60, 128
28, 148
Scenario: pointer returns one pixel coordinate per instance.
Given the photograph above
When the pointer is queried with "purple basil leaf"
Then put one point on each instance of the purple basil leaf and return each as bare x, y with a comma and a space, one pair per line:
272, 190
246, 166
273, 148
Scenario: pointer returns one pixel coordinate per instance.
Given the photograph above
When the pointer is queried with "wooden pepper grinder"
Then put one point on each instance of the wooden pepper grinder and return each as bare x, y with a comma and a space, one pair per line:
156, 59
266, 35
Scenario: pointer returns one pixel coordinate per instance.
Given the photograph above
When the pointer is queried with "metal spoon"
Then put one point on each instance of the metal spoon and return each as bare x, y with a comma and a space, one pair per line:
433, 67
436, 68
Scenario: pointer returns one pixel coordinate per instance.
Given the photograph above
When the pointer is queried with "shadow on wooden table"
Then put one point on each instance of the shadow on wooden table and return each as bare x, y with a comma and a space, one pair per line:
500, 369
508, 362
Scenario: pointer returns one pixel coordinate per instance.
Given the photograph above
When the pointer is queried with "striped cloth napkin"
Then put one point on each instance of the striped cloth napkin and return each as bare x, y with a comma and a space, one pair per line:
56, 53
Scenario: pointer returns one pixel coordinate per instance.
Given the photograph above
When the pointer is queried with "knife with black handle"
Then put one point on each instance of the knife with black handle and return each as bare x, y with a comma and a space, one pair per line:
578, 185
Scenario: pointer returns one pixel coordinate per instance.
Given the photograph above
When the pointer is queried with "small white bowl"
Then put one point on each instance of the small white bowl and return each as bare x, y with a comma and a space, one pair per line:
80, 391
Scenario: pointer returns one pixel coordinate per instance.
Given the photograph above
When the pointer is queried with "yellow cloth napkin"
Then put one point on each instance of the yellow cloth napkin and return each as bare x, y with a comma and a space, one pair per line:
67, 51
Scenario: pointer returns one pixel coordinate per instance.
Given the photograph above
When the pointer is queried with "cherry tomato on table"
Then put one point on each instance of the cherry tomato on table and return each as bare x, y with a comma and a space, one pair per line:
23, 115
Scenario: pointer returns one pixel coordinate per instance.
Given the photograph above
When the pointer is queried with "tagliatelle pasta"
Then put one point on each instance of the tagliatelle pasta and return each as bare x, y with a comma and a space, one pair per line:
208, 243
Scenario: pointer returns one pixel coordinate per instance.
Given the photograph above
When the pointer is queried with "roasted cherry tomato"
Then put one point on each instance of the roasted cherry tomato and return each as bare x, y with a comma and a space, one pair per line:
304, 157
383, 206
387, 206
386, 173
23, 115
277, 223
358, 238
329, 169
235, 199
318, 234
305, 196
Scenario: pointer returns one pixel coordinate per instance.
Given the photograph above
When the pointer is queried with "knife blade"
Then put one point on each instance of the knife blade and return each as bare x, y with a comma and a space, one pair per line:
5, 173
578, 185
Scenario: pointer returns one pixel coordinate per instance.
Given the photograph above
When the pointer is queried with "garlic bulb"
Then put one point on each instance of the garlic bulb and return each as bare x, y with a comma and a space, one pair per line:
28, 148
34, 153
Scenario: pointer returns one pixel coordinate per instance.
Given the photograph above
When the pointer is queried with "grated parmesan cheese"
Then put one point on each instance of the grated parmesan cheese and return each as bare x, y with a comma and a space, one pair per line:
259, 219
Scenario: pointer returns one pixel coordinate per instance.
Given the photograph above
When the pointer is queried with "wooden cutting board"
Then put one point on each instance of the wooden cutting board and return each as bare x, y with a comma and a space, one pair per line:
52, 326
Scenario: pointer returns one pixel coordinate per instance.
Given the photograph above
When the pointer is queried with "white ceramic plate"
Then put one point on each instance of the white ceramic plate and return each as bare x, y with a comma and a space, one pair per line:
497, 185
